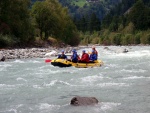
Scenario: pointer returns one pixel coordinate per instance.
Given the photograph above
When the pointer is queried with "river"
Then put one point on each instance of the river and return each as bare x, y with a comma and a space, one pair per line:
122, 84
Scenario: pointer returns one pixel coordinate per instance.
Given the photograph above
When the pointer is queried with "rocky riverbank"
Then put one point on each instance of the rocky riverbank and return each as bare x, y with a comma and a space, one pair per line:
32, 52
6, 54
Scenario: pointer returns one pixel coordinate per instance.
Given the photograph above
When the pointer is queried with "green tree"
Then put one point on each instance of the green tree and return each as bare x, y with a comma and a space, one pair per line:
45, 19
140, 15
117, 39
137, 37
53, 20
106, 21
83, 24
94, 23
130, 28
14, 16
127, 39
114, 24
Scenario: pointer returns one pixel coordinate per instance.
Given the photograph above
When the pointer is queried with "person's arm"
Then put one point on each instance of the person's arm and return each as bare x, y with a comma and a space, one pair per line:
91, 57
66, 57
59, 56
96, 52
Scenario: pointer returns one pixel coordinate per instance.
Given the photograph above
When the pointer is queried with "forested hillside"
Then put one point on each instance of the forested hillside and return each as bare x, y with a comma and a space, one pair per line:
127, 23
87, 14
22, 22
112, 21
109, 22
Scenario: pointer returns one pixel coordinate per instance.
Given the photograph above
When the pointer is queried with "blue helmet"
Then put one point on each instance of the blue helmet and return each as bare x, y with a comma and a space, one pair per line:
73, 50
62, 51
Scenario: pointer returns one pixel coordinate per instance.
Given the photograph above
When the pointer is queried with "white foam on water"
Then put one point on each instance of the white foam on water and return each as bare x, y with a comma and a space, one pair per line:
49, 107
133, 71
4, 66
91, 79
19, 61
14, 110
112, 65
49, 71
21, 79
29, 69
19, 105
56, 82
57, 71
65, 83
108, 105
113, 84
34, 61
37, 87
52, 83
6, 86
136, 77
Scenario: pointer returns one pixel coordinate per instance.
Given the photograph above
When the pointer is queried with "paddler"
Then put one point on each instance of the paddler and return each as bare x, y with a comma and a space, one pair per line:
62, 55
75, 57
93, 56
95, 51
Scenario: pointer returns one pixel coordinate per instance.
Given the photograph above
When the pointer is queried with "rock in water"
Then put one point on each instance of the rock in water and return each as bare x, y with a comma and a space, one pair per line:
82, 101
125, 50
2, 58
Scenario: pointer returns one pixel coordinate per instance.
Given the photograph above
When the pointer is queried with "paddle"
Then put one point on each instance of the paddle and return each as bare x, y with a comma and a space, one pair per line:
48, 60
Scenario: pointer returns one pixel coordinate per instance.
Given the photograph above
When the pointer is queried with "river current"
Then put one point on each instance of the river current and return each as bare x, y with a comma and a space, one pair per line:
122, 84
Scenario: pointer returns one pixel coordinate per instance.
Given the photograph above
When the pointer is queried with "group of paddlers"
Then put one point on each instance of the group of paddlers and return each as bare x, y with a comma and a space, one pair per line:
85, 58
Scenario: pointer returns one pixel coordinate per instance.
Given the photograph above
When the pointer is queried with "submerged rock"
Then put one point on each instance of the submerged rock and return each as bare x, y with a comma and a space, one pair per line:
82, 101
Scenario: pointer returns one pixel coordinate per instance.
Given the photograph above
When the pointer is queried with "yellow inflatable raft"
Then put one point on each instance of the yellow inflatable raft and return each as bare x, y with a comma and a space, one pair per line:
61, 63
66, 63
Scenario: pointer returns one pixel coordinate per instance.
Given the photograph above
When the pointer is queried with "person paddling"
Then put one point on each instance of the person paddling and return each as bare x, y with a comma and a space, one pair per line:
74, 57
95, 51
62, 55
93, 56
84, 57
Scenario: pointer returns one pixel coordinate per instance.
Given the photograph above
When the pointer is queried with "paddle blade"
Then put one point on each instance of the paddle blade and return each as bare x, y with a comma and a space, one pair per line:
48, 60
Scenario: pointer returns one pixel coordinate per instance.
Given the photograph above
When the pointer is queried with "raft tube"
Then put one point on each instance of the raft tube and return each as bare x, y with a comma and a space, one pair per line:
61, 63
66, 63
96, 63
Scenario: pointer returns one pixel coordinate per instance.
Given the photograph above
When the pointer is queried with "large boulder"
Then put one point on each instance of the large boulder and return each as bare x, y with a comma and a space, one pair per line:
2, 58
83, 101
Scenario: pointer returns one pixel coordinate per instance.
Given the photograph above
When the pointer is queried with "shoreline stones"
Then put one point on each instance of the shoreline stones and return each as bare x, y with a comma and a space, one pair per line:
32, 52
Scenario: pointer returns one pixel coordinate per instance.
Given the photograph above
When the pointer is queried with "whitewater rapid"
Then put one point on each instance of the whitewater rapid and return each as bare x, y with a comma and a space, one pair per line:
121, 85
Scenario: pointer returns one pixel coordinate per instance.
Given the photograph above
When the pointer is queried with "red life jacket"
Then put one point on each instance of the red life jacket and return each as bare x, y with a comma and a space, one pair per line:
85, 57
